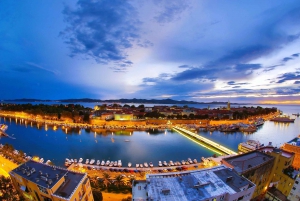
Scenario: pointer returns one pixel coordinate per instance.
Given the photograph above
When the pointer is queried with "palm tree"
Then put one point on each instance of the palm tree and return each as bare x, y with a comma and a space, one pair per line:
106, 179
119, 180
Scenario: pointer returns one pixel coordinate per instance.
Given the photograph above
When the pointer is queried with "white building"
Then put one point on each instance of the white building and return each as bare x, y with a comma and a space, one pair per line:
215, 184
295, 191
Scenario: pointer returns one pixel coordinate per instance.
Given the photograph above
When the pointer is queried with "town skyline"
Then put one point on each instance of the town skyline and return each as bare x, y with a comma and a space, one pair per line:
185, 50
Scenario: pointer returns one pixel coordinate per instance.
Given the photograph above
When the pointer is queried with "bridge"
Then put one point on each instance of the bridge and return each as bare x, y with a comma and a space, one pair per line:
205, 140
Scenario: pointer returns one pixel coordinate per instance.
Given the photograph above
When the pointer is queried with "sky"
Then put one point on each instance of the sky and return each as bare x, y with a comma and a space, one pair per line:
238, 51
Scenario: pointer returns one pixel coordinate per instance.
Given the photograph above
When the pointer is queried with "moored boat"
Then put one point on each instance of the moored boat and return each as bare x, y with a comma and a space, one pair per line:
250, 145
129, 164
151, 164
98, 162
146, 164
283, 119
119, 163
102, 162
159, 163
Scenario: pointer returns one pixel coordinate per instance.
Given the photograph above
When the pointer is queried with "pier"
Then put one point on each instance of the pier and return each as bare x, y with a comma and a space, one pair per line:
205, 140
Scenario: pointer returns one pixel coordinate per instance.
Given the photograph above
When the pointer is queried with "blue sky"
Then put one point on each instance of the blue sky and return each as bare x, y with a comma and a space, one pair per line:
184, 50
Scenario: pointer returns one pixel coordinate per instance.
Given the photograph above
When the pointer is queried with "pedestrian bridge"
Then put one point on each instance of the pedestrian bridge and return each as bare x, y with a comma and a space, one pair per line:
206, 141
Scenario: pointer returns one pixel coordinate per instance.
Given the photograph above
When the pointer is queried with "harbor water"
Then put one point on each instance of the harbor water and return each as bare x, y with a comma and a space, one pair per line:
56, 144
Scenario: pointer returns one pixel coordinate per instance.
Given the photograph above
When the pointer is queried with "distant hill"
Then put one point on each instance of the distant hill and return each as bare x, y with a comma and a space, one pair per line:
122, 100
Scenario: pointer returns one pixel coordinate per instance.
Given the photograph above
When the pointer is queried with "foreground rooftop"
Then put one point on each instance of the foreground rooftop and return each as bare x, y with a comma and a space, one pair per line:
191, 185
47, 176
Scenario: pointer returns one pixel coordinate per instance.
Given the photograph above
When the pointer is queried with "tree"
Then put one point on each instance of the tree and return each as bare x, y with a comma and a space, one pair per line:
97, 194
119, 180
141, 106
106, 179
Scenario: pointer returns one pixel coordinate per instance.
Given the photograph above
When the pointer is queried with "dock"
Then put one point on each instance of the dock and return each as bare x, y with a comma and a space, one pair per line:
205, 140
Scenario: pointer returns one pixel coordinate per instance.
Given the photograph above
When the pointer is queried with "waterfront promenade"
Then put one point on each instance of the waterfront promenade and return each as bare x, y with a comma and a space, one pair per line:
205, 140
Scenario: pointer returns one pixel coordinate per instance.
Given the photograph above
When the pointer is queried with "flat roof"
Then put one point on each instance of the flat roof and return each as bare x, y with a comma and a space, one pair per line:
47, 176
244, 162
192, 185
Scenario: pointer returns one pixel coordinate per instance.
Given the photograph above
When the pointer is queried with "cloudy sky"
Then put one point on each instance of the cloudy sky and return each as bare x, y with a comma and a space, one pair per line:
153, 49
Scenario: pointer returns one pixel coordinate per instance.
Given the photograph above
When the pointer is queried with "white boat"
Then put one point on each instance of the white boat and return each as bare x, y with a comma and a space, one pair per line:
80, 160
151, 164
190, 160
87, 161
92, 161
107, 163
72, 160
195, 161
250, 145
119, 163
129, 164
75, 160
102, 162
111, 164
159, 163
137, 165
115, 163
41, 160
146, 164
165, 163
171, 163
48, 162
98, 162
183, 162
141, 165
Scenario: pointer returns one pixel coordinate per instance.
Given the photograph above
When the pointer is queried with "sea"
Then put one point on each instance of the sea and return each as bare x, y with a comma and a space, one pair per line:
57, 144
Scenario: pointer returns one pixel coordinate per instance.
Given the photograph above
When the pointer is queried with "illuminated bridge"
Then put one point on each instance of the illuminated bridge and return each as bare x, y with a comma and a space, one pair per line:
206, 141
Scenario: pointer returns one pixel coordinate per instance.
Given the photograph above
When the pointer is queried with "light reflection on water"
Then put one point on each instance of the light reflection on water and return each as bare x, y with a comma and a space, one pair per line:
56, 143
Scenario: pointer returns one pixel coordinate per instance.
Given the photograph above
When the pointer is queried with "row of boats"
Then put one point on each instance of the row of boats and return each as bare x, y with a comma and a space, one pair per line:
118, 163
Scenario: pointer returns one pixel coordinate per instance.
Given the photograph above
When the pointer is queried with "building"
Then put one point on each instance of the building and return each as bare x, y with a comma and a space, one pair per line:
38, 181
255, 166
283, 175
123, 116
293, 146
294, 194
217, 183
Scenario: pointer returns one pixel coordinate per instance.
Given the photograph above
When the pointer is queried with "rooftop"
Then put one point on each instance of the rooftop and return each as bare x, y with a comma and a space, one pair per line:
247, 161
192, 185
295, 141
47, 176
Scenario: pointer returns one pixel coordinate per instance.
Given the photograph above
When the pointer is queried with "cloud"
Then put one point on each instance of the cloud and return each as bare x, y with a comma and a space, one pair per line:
289, 76
170, 10
102, 30
296, 55
285, 59
235, 83
297, 82
30, 67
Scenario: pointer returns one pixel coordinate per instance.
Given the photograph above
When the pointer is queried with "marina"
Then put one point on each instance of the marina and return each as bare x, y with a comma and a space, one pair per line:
134, 147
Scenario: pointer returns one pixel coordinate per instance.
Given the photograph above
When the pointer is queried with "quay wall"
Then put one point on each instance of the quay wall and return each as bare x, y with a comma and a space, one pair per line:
219, 122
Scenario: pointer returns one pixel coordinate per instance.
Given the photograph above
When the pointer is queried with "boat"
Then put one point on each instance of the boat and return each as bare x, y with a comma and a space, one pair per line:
98, 162
87, 161
297, 114
3, 127
137, 165
111, 164
129, 164
159, 163
190, 161
72, 160
102, 162
41, 160
92, 161
283, 119
151, 164
119, 163
171, 163
115, 163
165, 163
75, 160
250, 145
183, 162
195, 160
259, 122
141, 165
107, 163
80, 160
48, 162
146, 164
